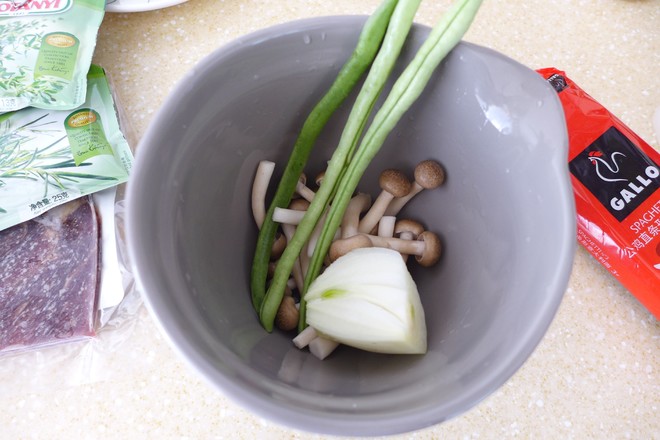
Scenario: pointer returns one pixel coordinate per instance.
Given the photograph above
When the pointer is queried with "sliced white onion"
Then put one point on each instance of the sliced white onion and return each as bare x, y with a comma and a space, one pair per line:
368, 300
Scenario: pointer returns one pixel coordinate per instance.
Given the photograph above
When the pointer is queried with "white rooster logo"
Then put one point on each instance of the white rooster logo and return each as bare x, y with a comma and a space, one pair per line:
597, 160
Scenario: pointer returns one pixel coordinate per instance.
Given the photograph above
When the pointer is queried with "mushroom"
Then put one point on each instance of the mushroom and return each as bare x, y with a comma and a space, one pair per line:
299, 205
303, 190
322, 347
351, 220
287, 314
345, 245
428, 175
259, 189
426, 248
271, 269
407, 229
291, 283
394, 184
278, 246
319, 178
296, 205
318, 345
315, 235
288, 216
306, 336
293, 214
386, 226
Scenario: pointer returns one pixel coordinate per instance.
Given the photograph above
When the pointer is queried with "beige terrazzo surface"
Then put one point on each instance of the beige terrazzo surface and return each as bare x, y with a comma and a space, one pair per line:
596, 374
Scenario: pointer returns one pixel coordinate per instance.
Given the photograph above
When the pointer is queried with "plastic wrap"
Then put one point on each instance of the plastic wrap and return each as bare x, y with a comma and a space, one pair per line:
616, 182
88, 356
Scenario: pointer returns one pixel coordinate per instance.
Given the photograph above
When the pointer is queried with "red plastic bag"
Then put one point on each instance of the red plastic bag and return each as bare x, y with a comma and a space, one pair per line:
616, 182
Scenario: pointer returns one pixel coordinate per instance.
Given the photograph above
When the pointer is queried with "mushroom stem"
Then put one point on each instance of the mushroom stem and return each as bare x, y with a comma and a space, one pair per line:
319, 178
356, 206
428, 175
304, 191
306, 336
316, 233
407, 229
397, 205
322, 347
426, 248
386, 226
404, 246
287, 216
296, 270
259, 189
394, 184
293, 214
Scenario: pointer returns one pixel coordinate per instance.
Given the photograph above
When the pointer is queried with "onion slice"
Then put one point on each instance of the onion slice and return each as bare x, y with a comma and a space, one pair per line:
367, 299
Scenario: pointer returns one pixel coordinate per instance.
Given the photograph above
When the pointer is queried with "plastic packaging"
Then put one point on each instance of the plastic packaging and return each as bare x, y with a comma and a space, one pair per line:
49, 157
616, 182
46, 49
103, 351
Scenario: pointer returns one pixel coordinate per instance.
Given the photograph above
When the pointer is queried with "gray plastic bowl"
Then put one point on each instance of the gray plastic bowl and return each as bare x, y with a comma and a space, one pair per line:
505, 215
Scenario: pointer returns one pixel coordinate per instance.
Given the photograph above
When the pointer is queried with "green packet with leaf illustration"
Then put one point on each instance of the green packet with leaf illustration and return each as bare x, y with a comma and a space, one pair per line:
46, 48
49, 157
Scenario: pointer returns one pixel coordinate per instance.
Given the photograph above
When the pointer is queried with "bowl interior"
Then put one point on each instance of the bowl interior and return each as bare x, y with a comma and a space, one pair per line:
505, 215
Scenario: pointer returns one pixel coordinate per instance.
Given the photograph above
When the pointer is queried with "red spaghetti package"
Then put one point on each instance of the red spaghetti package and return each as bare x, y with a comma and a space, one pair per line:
616, 182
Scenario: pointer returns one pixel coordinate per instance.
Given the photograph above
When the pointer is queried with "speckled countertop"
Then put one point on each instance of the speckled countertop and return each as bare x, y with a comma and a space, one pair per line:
595, 375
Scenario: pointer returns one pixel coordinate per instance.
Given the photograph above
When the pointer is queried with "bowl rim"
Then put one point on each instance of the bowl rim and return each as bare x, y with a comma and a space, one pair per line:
259, 402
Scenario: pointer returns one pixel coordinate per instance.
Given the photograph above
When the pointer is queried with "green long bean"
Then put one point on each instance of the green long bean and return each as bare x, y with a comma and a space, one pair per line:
397, 31
365, 51
444, 36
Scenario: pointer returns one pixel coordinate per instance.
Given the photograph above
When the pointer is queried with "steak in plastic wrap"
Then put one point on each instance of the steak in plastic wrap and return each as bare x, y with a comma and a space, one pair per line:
49, 277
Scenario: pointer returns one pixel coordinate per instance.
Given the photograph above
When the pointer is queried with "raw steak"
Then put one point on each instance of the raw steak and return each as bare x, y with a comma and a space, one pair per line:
49, 276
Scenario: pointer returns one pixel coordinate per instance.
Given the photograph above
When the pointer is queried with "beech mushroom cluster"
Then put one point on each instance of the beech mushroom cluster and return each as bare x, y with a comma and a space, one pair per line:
365, 224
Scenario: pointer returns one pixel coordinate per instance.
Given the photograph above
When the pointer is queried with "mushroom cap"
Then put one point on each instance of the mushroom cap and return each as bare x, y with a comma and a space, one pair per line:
319, 178
299, 204
345, 245
429, 174
394, 182
432, 249
408, 225
287, 314
271, 269
278, 246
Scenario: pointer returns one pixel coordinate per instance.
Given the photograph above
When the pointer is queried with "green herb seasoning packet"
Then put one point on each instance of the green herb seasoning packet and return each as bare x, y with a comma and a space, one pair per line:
46, 48
48, 157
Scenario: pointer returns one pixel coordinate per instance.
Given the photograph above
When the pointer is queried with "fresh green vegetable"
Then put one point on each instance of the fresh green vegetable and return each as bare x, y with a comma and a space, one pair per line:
446, 34
361, 58
397, 31
347, 165
368, 300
